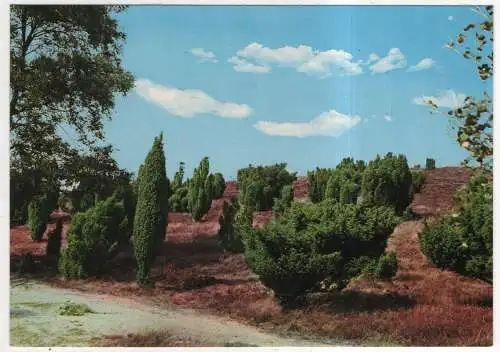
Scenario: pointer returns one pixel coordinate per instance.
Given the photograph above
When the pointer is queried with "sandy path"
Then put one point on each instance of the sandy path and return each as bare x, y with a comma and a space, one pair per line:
35, 321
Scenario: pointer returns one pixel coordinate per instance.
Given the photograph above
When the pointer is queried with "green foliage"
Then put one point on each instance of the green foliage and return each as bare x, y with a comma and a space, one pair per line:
178, 202
417, 181
318, 183
387, 181
285, 201
311, 243
341, 184
151, 214
37, 217
178, 177
66, 70
54, 241
260, 185
464, 242
430, 163
229, 239
200, 190
92, 238
387, 266
473, 120
74, 309
219, 185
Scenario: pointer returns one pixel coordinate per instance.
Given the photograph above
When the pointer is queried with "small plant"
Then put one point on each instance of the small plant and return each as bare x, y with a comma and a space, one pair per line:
74, 309
387, 266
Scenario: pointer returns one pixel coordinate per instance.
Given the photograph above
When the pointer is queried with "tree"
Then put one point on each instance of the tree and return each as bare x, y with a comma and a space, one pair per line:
65, 70
229, 238
37, 217
474, 118
151, 214
65, 73
199, 190
430, 163
178, 177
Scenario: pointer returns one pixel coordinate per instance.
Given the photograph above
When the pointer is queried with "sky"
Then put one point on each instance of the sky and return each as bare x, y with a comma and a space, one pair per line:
303, 85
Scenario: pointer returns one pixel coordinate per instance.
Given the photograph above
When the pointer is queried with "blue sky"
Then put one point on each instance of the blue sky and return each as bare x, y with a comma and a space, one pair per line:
304, 85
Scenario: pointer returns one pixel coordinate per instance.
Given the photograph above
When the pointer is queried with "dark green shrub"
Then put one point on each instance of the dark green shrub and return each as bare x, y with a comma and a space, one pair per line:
464, 242
260, 185
340, 184
442, 243
387, 266
387, 181
430, 163
38, 215
229, 239
92, 239
417, 181
151, 216
54, 241
199, 190
317, 182
178, 202
311, 243
285, 201
219, 186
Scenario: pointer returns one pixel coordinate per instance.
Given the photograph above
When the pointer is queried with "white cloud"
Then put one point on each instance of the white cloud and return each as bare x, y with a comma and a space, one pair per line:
189, 102
303, 58
445, 99
245, 66
204, 55
424, 64
372, 58
450, 18
388, 118
330, 123
395, 59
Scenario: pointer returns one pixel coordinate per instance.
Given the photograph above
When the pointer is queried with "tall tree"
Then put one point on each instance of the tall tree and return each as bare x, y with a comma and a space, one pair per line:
151, 214
474, 118
66, 71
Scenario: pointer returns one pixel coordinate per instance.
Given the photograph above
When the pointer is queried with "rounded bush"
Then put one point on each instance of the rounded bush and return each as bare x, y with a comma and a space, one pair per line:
387, 266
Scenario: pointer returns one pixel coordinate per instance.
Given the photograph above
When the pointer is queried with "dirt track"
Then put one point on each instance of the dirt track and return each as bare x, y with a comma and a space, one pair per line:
35, 321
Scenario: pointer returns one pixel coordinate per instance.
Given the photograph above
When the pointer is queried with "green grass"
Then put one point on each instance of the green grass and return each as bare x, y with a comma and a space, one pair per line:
74, 309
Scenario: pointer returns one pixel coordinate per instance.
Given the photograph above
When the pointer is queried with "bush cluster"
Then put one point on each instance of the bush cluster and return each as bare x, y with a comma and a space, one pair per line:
387, 181
260, 185
463, 242
310, 243
93, 238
